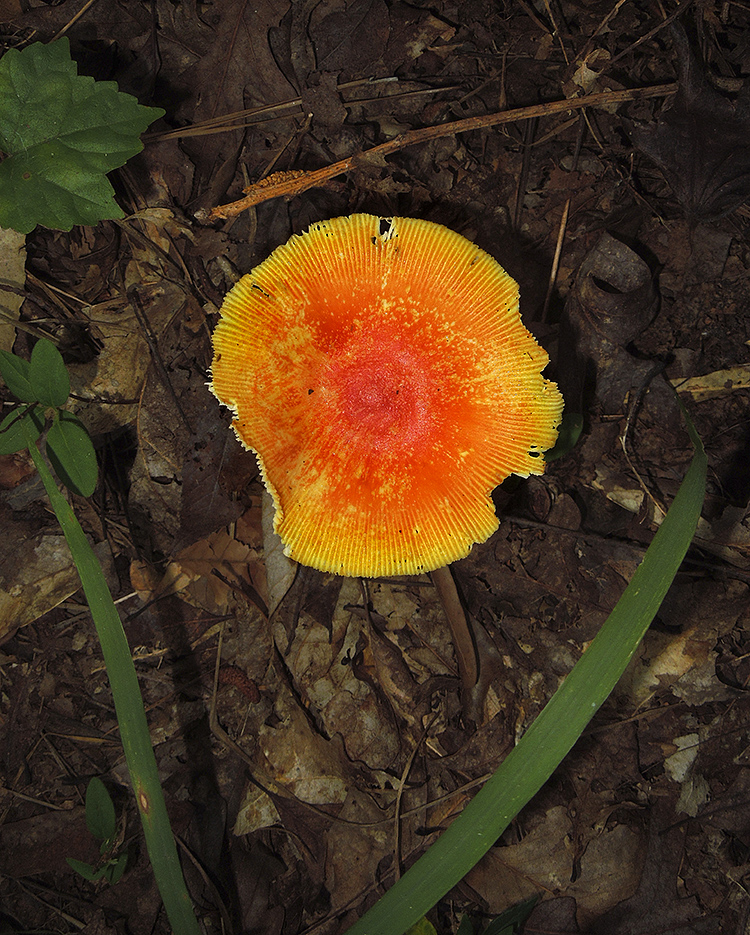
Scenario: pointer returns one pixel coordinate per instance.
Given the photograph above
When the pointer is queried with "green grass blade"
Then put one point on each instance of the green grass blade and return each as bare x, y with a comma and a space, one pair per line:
131, 717
544, 745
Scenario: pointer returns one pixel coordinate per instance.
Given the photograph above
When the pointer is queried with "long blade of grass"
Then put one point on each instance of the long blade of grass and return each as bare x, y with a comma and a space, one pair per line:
131, 717
544, 745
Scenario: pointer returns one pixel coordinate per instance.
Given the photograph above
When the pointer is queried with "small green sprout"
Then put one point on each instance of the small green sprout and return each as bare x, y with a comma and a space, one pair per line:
43, 386
509, 921
102, 823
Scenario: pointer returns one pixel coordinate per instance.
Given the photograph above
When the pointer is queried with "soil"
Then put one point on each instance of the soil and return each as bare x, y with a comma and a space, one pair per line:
287, 747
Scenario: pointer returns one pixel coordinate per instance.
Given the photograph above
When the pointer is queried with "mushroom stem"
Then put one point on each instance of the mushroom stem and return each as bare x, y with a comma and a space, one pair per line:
463, 640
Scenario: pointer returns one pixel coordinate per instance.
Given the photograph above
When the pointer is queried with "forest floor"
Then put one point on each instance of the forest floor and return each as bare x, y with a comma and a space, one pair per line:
285, 810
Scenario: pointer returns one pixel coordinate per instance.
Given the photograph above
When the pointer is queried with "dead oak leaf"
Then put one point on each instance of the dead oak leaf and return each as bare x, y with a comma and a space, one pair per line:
204, 573
656, 906
700, 141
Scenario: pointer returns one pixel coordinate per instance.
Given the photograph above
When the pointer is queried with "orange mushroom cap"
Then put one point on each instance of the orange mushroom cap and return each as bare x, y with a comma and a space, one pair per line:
379, 369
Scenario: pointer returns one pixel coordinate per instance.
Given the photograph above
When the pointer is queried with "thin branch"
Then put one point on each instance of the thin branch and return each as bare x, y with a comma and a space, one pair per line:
289, 184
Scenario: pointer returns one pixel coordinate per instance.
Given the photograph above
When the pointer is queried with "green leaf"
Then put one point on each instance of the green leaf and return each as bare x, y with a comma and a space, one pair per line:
567, 436
84, 869
62, 132
423, 927
48, 374
465, 926
508, 921
72, 454
115, 868
100, 812
13, 436
15, 371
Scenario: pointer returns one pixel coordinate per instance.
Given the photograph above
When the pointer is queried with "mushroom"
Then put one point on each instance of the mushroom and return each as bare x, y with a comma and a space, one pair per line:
379, 369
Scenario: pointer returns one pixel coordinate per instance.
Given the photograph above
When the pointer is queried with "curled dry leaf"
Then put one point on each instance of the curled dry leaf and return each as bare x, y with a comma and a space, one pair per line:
700, 141
718, 383
193, 572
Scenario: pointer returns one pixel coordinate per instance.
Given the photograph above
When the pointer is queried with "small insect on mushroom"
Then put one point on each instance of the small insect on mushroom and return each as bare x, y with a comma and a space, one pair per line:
379, 369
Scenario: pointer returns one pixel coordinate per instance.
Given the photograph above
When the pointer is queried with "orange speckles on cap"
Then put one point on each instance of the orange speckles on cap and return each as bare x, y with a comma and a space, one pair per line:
380, 370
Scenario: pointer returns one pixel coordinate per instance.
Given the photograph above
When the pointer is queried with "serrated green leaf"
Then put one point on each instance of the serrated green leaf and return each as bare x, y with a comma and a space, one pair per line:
100, 812
15, 371
62, 133
48, 374
13, 436
72, 455
84, 869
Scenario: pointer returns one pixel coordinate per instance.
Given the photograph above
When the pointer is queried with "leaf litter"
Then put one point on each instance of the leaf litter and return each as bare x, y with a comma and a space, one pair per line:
342, 714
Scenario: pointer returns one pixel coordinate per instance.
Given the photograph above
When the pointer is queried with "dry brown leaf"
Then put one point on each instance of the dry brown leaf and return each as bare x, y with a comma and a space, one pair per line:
728, 536
144, 579
713, 385
113, 381
12, 274
192, 572
610, 867
298, 758
280, 570
37, 574
354, 854
319, 661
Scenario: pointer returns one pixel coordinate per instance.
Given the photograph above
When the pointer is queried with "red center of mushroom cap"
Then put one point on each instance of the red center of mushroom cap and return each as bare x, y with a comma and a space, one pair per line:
381, 393
381, 372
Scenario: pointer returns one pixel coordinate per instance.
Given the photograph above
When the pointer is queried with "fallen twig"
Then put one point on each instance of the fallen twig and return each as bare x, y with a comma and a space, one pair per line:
288, 184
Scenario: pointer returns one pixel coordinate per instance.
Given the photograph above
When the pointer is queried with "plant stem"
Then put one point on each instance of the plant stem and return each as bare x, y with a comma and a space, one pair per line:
131, 716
